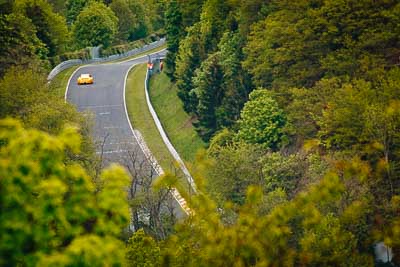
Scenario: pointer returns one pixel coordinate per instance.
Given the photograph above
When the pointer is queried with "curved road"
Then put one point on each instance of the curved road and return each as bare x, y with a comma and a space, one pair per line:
105, 100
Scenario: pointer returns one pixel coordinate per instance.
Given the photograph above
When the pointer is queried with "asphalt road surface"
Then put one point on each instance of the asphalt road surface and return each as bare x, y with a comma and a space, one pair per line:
104, 100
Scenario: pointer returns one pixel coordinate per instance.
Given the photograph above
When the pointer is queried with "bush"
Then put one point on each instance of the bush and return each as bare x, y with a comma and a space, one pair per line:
83, 54
123, 48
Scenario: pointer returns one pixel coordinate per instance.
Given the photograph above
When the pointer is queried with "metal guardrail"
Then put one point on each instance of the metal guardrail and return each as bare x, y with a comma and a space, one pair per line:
164, 136
73, 62
192, 186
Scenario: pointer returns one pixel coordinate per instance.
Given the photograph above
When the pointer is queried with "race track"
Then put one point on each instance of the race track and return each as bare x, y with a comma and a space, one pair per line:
104, 100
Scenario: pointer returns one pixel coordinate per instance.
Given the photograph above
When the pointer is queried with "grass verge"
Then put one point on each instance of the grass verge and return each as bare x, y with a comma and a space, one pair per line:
142, 120
176, 122
59, 83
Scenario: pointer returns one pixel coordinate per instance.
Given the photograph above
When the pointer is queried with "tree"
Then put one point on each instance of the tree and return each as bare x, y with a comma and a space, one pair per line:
174, 31
153, 14
141, 27
95, 25
344, 125
363, 118
262, 121
20, 89
142, 251
301, 43
18, 42
208, 87
189, 58
222, 138
283, 172
74, 7
250, 12
51, 28
293, 233
50, 212
391, 234
219, 86
237, 84
6, 7
234, 168
180, 15
24, 95
190, 11
127, 20
151, 208
201, 40
213, 23
304, 106
59, 6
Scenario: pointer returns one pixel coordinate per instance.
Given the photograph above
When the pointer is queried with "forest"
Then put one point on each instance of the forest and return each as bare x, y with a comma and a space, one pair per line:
297, 101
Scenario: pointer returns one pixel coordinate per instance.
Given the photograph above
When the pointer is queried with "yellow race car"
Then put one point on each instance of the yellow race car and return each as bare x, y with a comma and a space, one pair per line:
85, 79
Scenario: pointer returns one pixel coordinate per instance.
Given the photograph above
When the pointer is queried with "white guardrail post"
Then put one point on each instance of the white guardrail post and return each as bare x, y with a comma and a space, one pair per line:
73, 62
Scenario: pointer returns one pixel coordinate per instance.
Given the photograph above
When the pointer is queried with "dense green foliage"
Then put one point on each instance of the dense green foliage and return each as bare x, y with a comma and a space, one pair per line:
51, 214
30, 30
207, 83
120, 49
173, 29
214, 36
50, 31
303, 171
131, 19
19, 43
95, 25
73, 8
329, 104
142, 250
221, 88
261, 121
188, 60
50, 27
303, 42
306, 231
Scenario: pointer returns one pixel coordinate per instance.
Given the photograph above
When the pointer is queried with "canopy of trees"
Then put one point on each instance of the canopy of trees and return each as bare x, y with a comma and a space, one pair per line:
51, 213
298, 100
261, 120
50, 27
329, 104
95, 25
131, 19
50, 31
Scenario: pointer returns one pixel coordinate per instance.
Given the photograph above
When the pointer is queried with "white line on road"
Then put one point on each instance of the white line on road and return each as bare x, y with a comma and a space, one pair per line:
112, 127
69, 81
101, 106
113, 151
120, 143
104, 113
